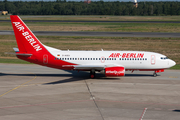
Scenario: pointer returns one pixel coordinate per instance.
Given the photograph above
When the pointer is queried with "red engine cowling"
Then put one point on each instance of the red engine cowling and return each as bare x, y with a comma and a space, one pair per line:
114, 71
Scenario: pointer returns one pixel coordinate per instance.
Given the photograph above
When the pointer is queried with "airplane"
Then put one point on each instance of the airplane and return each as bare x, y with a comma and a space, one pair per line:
135, 3
110, 63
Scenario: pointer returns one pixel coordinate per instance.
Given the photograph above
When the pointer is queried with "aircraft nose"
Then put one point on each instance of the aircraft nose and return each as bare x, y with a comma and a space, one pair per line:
172, 63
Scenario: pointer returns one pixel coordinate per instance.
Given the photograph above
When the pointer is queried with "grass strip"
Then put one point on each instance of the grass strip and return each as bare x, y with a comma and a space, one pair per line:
176, 67
113, 27
14, 61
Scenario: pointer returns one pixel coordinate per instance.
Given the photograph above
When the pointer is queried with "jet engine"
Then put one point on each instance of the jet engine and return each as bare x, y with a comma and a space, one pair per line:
115, 71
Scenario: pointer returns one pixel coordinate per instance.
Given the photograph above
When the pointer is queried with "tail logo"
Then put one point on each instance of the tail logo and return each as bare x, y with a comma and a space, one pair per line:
28, 37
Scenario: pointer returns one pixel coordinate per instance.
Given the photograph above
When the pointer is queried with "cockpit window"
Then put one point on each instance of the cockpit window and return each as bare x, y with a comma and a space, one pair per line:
164, 58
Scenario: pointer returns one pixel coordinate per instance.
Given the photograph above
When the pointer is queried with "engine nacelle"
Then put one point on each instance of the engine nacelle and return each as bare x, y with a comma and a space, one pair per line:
115, 71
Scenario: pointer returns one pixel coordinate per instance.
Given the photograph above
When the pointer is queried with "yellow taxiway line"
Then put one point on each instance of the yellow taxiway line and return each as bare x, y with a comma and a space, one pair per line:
19, 86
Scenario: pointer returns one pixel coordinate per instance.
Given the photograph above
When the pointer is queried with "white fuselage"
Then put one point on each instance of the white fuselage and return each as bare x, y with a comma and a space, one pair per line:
132, 60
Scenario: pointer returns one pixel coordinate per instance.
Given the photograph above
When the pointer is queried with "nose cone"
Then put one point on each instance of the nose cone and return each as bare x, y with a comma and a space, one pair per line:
171, 63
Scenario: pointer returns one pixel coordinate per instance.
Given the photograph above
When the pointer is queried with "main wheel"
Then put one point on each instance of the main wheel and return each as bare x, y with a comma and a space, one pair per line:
154, 74
92, 74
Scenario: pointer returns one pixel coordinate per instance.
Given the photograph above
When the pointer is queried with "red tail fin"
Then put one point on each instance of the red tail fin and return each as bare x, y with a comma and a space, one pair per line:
26, 40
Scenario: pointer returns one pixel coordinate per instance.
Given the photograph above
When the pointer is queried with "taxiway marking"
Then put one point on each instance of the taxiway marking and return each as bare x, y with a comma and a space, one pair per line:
18, 86
143, 113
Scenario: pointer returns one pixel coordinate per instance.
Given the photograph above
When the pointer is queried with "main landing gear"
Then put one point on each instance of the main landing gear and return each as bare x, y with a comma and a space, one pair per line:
92, 74
154, 74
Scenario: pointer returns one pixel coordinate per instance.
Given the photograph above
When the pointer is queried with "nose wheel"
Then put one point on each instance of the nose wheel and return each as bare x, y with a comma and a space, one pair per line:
92, 74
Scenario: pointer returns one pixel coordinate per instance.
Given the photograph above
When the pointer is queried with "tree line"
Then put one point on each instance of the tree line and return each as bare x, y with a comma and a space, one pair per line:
61, 7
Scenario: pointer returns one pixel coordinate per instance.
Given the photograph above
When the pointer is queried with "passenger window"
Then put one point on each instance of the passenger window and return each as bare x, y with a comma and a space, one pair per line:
55, 58
122, 58
62, 58
127, 58
119, 58
67, 58
96, 58
80, 58
75, 58
93, 58
132, 58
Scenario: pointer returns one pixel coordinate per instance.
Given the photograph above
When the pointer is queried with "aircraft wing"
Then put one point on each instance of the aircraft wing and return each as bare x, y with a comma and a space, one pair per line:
90, 67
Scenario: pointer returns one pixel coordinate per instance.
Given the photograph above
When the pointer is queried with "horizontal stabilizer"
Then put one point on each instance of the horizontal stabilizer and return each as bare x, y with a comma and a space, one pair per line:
16, 49
21, 54
17, 53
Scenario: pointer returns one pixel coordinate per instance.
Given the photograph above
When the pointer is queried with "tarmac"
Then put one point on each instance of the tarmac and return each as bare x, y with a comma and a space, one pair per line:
32, 92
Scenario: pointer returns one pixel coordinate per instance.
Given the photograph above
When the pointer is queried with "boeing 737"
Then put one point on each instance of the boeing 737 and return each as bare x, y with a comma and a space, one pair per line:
110, 63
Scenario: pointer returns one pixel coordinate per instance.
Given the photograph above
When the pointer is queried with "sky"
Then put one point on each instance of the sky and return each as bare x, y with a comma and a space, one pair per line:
97, 0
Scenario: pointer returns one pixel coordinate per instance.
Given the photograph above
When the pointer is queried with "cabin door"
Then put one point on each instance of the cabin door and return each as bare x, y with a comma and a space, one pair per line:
153, 59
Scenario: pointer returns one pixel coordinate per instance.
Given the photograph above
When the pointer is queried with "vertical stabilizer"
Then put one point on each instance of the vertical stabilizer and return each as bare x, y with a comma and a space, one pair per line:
26, 40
